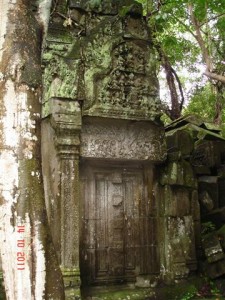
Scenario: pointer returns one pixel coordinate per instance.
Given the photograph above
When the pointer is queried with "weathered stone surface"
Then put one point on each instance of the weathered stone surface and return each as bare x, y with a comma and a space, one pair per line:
180, 140
124, 86
61, 81
181, 245
208, 193
142, 282
207, 153
123, 140
206, 200
61, 179
195, 207
51, 178
212, 248
177, 202
111, 67
195, 213
65, 114
179, 173
216, 269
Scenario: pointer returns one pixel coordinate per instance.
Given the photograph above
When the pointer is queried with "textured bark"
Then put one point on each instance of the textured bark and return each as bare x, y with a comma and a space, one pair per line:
29, 263
205, 52
171, 78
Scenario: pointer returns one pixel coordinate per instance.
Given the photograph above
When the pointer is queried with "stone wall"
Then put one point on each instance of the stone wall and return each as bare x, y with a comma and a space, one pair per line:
192, 186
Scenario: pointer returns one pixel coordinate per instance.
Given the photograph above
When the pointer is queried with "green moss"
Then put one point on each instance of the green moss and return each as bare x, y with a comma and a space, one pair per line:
180, 291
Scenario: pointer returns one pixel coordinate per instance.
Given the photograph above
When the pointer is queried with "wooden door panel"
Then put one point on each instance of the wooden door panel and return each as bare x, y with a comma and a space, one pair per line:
118, 225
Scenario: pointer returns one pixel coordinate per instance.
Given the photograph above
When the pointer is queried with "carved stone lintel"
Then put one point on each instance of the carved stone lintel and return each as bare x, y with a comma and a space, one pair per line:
123, 140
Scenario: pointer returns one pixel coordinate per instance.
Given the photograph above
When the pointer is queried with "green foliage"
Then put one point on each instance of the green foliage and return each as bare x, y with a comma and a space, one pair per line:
165, 119
189, 295
202, 103
173, 29
207, 227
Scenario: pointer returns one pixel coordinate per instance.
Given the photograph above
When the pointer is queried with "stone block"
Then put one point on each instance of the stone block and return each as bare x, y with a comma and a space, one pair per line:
122, 140
215, 270
182, 245
180, 270
183, 201
179, 173
206, 201
208, 192
195, 206
212, 248
207, 153
66, 113
180, 140
177, 201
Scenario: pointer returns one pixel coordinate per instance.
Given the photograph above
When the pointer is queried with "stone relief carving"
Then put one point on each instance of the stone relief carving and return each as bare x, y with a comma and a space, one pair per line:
129, 142
109, 64
120, 79
127, 85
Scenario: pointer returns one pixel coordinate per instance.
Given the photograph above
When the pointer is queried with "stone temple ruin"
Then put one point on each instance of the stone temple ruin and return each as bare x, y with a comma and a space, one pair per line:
123, 207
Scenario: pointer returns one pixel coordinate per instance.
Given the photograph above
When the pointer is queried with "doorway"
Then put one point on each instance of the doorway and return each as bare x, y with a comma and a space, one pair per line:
119, 223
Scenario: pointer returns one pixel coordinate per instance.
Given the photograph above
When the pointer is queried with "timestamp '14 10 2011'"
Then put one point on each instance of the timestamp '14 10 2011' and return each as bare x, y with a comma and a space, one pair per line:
20, 249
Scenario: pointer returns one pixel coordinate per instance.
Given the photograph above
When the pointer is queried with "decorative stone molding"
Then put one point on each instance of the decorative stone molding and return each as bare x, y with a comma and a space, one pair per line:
66, 121
123, 140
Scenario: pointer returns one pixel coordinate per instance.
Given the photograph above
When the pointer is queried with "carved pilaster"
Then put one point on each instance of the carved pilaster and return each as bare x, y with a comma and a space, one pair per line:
66, 121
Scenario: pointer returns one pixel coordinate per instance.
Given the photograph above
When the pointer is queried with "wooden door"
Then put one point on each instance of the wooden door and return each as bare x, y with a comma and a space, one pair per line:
118, 236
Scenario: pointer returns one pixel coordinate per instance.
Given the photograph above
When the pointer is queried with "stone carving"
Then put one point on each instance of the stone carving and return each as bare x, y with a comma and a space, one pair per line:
106, 61
120, 79
127, 86
129, 142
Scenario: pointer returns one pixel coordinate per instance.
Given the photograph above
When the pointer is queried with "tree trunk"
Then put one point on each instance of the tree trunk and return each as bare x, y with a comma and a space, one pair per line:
218, 90
29, 263
171, 78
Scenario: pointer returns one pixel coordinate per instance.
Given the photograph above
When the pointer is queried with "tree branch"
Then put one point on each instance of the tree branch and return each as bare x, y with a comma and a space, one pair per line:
186, 26
211, 19
214, 76
199, 38
180, 87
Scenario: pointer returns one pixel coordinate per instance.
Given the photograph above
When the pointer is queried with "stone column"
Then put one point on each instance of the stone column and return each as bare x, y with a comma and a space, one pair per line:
66, 120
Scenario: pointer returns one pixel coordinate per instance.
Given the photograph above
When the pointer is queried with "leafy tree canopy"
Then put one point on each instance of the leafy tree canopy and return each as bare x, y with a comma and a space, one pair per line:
190, 33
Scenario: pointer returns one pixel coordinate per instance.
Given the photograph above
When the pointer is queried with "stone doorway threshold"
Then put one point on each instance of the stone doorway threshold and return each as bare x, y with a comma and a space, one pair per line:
187, 289
117, 292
